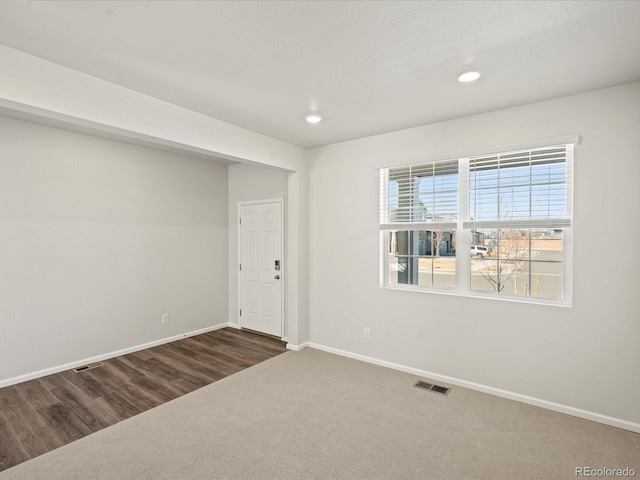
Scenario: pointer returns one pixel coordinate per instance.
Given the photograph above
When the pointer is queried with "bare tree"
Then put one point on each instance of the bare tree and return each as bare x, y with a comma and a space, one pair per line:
512, 251
422, 238
437, 239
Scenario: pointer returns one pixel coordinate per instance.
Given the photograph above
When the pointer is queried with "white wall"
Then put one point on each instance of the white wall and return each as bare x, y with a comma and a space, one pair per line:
248, 182
97, 240
51, 94
585, 357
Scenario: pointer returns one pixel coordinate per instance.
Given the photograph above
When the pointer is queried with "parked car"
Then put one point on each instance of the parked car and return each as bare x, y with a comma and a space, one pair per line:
480, 251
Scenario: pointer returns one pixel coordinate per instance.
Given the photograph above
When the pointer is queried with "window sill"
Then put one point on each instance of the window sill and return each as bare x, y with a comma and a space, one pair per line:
452, 292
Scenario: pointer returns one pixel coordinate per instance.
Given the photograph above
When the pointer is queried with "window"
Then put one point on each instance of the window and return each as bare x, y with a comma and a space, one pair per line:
510, 213
419, 214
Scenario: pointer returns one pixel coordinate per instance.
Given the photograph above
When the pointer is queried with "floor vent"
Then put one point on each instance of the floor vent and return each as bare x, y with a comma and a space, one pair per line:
91, 366
431, 387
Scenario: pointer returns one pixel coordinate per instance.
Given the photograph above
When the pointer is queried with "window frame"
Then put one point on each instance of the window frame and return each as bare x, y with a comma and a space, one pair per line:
463, 234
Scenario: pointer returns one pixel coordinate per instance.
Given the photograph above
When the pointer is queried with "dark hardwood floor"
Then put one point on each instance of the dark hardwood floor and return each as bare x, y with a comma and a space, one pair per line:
43, 414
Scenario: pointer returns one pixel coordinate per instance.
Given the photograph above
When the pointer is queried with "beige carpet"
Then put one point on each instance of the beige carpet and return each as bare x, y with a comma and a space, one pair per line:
313, 415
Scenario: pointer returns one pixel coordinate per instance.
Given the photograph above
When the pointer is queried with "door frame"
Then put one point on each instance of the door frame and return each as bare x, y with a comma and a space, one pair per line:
283, 263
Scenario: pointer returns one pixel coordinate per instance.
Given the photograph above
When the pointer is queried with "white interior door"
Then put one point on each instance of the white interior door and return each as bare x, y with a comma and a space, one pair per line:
261, 273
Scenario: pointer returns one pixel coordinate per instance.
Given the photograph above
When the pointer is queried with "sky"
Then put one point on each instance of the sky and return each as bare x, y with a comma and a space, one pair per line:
511, 190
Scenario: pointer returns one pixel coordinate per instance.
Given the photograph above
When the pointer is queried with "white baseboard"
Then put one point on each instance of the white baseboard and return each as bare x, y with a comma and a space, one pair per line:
556, 407
106, 356
297, 348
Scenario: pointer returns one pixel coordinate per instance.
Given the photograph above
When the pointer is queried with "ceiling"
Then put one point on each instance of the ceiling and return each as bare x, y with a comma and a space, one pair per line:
367, 67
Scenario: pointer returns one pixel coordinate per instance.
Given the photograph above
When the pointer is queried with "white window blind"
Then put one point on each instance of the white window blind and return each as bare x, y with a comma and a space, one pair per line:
419, 196
523, 188
489, 225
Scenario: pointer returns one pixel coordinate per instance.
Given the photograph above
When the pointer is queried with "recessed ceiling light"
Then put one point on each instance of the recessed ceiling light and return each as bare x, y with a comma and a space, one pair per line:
313, 118
467, 77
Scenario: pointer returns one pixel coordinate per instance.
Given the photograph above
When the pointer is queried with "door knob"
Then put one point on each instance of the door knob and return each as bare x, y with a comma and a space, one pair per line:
277, 277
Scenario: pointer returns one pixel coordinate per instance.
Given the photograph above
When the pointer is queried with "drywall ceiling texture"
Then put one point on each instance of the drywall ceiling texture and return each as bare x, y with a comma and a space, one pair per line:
98, 239
369, 67
556, 354
45, 92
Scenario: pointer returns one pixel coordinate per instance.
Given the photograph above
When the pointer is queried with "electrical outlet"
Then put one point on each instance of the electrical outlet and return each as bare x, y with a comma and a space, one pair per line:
165, 318
367, 332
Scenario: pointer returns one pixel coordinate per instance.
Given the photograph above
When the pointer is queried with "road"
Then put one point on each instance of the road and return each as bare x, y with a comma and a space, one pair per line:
542, 277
